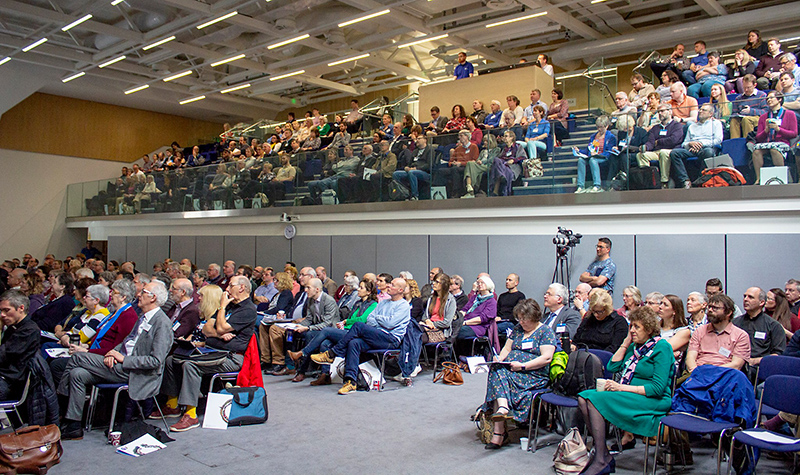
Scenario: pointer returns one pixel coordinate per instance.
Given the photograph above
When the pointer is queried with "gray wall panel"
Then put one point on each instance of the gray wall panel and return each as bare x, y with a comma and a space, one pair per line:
273, 251
209, 249
679, 264
399, 253
157, 250
117, 248
182, 247
531, 257
240, 249
137, 252
622, 253
311, 251
464, 255
765, 260
356, 253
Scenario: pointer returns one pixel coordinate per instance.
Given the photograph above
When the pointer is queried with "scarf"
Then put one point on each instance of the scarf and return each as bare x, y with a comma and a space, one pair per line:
106, 325
638, 353
479, 300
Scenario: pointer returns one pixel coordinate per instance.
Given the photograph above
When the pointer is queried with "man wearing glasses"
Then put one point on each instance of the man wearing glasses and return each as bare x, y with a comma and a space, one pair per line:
720, 342
601, 272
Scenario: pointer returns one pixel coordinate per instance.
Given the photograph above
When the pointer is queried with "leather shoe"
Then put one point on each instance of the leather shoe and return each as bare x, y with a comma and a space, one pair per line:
299, 377
324, 379
295, 356
278, 370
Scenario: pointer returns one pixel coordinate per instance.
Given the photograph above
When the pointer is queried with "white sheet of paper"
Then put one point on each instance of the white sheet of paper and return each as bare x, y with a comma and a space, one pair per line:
213, 419
288, 326
474, 361
770, 437
48, 335
141, 446
57, 352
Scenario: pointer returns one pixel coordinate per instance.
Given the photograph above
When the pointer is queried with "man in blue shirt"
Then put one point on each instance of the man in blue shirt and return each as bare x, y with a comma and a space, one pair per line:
493, 118
696, 63
384, 329
464, 69
601, 272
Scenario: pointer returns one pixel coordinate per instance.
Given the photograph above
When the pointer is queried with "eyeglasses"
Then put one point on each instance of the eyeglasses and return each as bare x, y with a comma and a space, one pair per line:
715, 307
145, 291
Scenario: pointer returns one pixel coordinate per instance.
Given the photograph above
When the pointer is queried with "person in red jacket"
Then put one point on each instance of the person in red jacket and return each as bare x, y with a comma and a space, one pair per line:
776, 129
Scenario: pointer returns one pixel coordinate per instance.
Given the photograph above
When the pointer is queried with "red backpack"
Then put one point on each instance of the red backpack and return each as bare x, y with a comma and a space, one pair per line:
720, 176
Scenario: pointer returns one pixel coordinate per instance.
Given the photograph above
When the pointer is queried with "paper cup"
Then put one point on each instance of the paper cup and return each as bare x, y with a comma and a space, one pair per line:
523, 443
601, 384
115, 438
281, 314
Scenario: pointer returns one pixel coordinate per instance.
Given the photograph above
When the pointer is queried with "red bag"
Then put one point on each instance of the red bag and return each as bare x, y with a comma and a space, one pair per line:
250, 374
720, 176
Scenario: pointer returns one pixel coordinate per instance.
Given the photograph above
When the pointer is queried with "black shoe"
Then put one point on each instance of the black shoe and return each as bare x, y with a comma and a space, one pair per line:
71, 430
493, 446
278, 370
266, 368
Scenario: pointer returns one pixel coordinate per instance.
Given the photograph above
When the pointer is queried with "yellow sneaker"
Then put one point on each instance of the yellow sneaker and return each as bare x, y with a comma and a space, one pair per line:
322, 358
348, 387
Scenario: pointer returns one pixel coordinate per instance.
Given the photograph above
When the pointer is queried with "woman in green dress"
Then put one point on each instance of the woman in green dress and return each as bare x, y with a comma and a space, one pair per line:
641, 398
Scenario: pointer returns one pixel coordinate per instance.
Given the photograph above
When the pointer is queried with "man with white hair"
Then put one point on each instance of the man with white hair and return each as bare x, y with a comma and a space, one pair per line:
580, 300
624, 106
214, 276
492, 119
138, 361
229, 330
185, 315
559, 317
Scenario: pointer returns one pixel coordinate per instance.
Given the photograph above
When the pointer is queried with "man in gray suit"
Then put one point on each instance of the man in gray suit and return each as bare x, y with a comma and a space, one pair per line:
560, 317
138, 361
322, 312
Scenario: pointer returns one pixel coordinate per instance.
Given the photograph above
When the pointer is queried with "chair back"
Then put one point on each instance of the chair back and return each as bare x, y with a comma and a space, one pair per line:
605, 357
781, 392
777, 365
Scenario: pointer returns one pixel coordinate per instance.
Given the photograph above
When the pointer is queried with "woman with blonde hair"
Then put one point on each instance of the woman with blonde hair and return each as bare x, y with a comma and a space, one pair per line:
743, 64
209, 298
722, 107
414, 298
602, 328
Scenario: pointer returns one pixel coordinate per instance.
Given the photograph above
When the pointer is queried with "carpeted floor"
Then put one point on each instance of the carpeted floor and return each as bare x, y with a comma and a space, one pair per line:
422, 429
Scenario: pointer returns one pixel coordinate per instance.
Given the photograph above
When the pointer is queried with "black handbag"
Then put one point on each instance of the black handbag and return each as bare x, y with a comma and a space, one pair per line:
643, 178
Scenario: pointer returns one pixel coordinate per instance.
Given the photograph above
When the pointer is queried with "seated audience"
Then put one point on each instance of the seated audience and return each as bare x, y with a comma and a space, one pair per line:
696, 63
631, 299
514, 107
674, 328
769, 65
536, 100
492, 119
456, 284
720, 342
713, 72
342, 168
440, 310
642, 396
506, 303
776, 129
413, 296
722, 107
649, 116
271, 337
476, 134
684, 108
88, 323
559, 316
767, 336
282, 299
474, 170
743, 64
385, 165
755, 47
777, 307
623, 107
511, 387
478, 113
747, 108
668, 78
19, 344
230, 330
675, 63
536, 135
629, 142
60, 306
452, 175
384, 329
641, 89
507, 167
480, 310
696, 307
791, 93
703, 139
419, 168
137, 361
458, 122
599, 148
185, 315
602, 328
437, 123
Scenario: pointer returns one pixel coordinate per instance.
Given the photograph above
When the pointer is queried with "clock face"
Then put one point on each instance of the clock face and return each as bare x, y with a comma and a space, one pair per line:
289, 231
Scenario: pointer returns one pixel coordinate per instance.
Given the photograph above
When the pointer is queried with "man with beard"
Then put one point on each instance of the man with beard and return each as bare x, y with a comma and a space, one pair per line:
720, 342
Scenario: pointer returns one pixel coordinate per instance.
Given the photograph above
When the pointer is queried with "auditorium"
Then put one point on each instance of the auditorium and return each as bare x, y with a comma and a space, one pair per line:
331, 235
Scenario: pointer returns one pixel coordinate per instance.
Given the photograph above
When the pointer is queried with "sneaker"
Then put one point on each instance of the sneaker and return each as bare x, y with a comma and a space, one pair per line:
414, 198
469, 194
348, 387
168, 412
580, 190
470, 190
687, 184
185, 424
595, 189
323, 358
416, 371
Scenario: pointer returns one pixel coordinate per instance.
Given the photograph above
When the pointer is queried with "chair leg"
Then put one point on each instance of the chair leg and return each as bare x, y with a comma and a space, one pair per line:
658, 445
535, 445
383, 365
163, 419
114, 408
91, 408
646, 457
719, 449
435, 360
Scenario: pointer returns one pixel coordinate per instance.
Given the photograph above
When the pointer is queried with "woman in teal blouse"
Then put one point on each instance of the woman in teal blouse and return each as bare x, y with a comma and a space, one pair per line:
641, 398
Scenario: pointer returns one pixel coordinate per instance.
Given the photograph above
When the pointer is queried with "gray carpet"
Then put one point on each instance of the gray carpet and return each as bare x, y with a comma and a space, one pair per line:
422, 429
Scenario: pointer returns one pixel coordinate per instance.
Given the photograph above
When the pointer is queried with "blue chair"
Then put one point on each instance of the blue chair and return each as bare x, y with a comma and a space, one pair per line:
382, 355
118, 389
695, 424
773, 365
783, 393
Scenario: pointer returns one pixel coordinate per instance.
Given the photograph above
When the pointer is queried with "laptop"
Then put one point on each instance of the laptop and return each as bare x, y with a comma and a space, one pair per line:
723, 160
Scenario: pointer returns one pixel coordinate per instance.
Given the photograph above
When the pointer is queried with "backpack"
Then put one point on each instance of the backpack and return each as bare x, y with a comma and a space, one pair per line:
328, 197
644, 178
558, 365
398, 191
720, 176
583, 369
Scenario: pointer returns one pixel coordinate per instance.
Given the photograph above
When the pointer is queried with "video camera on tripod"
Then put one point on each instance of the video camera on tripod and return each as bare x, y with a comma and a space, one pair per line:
565, 240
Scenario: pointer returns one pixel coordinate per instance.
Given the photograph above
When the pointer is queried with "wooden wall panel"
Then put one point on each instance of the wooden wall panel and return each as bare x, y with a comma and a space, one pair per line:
342, 103
59, 125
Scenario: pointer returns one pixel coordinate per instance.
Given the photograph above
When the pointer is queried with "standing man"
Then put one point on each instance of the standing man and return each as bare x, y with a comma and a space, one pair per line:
506, 303
559, 317
464, 69
138, 361
766, 334
601, 272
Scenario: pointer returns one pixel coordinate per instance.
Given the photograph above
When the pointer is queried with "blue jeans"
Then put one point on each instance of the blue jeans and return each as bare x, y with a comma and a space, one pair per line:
360, 338
594, 165
679, 156
701, 89
413, 177
534, 146
318, 186
687, 77
319, 341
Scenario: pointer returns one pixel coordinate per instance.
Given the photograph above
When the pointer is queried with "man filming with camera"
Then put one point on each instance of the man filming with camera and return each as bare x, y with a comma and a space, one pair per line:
601, 272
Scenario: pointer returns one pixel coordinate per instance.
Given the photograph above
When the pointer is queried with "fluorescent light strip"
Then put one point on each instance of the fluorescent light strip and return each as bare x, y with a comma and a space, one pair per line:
423, 40
243, 86
74, 76
34, 45
597, 1
282, 76
505, 22
347, 60
77, 22
363, 18
137, 89
158, 43
5, 60
176, 76
116, 2
419, 78
193, 99
109, 63
216, 20
786, 40
223, 61
291, 40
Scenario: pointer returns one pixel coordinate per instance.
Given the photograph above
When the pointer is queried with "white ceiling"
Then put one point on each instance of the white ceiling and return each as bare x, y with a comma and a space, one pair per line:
575, 32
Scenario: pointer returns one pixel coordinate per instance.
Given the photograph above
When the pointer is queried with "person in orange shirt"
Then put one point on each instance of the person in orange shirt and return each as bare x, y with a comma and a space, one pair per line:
684, 107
